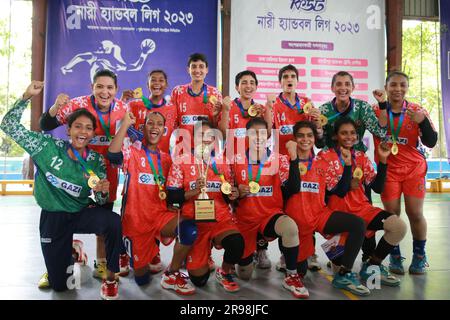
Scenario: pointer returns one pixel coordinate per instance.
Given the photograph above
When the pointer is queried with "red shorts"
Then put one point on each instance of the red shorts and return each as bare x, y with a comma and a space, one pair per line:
407, 180
250, 233
142, 247
201, 249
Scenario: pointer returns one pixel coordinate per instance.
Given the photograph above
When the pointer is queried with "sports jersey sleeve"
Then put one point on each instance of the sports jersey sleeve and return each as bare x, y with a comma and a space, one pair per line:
283, 170
368, 169
66, 110
332, 174
370, 120
175, 178
31, 141
427, 132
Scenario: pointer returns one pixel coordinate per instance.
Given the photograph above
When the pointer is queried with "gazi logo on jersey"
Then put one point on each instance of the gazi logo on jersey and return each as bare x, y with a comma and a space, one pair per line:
72, 189
192, 119
286, 129
100, 141
264, 191
400, 140
309, 187
211, 186
146, 178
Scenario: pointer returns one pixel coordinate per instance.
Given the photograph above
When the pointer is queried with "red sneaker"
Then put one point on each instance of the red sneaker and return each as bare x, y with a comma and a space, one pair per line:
226, 280
177, 281
109, 290
124, 263
294, 284
156, 265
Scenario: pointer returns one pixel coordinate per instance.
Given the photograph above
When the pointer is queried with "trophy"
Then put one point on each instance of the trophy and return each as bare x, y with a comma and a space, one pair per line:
203, 206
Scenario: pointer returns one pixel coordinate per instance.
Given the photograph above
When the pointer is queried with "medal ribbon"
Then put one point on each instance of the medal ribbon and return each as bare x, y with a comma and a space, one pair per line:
297, 103
241, 107
396, 131
150, 105
205, 93
250, 171
337, 112
158, 176
83, 163
214, 167
105, 127
310, 160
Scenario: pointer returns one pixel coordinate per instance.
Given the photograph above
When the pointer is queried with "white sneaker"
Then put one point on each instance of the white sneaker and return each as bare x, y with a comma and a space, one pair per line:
281, 265
334, 268
313, 263
294, 284
261, 259
177, 281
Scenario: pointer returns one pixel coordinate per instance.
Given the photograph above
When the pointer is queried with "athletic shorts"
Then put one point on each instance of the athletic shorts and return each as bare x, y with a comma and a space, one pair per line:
250, 233
201, 249
142, 248
407, 180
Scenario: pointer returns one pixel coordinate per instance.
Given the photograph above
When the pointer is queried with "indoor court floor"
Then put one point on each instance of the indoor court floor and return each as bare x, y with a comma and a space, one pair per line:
22, 265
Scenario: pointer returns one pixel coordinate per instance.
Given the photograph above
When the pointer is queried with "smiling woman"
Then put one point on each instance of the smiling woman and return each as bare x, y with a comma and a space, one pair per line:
67, 174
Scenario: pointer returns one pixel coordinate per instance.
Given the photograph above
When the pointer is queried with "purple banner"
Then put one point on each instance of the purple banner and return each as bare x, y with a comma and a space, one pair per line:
129, 37
444, 12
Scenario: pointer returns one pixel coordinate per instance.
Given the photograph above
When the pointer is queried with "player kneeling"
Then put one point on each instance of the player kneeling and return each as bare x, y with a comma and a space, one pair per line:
145, 215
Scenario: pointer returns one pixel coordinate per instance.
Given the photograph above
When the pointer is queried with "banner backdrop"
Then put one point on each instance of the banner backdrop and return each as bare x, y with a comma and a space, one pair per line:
129, 37
444, 12
319, 37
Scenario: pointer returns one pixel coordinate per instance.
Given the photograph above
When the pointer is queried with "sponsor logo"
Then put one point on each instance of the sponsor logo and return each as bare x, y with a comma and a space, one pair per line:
240, 132
146, 178
286, 129
72, 189
265, 191
309, 187
99, 141
192, 119
211, 186
403, 141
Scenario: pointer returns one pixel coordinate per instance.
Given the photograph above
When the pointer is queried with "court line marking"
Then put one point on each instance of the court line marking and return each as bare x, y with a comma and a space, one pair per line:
349, 295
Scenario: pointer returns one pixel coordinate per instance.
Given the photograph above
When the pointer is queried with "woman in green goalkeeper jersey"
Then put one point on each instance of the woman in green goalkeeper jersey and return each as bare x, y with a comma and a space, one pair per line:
67, 174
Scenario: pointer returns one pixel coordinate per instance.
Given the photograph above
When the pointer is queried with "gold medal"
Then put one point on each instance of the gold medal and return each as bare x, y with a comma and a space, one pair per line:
303, 169
93, 180
323, 120
225, 188
162, 195
394, 149
213, 99
307, 107
252, 112
254, 187
358, 173
137, 93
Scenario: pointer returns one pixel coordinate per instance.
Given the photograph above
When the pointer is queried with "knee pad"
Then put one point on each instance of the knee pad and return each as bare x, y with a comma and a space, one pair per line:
245, 272
287, 229
394, 230
199, 281
142, 280
234, 248
187, 233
